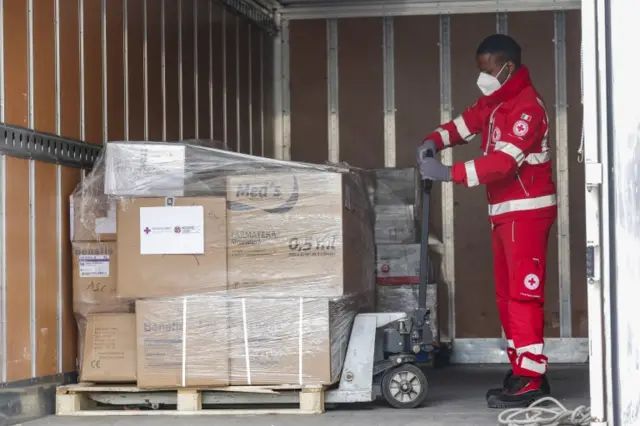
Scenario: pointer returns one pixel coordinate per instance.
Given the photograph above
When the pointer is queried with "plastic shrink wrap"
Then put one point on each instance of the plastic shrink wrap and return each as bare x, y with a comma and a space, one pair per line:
245, 270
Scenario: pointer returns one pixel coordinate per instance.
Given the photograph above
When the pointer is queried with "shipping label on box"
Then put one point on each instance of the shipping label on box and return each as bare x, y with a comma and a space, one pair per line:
144, 169
397, 264
395, 225
172, 230
95, 279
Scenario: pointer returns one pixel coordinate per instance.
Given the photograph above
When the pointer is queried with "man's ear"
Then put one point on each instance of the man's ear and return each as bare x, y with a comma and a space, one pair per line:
511, 67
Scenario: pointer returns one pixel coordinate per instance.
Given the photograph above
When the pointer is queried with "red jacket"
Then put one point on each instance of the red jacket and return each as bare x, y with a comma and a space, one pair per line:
516, 165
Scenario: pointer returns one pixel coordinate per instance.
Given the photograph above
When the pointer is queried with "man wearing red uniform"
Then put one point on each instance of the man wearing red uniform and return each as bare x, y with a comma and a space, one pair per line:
516, 169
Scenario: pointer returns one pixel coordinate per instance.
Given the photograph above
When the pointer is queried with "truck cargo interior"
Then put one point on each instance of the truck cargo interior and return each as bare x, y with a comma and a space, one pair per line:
213, 207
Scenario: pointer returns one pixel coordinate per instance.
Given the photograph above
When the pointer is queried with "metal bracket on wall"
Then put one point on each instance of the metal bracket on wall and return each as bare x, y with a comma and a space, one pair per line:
260, 16
25, 143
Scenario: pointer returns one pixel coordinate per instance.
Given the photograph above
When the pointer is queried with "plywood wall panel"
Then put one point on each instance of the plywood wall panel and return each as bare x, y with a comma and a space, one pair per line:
204, 110
417, 91
115, 71
476, 312
69, 70
19, 355
46, 240
188, 69
16, 66
535, 31
269, 112
92, 19
70, 177
256, 80
231, 28
171, 68
244, 138
217, 61
576, 180
154, 61
46, 253
18, 339
308, 90
44, 72
360, 78
135, 72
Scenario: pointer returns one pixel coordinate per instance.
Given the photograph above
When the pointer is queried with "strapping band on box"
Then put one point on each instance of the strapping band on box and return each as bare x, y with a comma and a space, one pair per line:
184, 341
300, 334
246, 341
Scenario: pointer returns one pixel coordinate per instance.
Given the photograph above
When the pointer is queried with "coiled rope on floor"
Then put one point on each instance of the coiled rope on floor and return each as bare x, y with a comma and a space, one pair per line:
553, 414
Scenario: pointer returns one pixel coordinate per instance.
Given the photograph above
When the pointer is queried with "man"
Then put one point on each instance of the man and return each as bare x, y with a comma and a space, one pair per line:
516, 169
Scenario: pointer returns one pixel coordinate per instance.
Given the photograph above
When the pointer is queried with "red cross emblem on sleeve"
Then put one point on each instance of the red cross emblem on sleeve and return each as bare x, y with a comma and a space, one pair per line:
520, 128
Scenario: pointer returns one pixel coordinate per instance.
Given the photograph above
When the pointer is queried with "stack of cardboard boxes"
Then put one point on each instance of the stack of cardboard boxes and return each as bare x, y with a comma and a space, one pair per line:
397, 200
244, 271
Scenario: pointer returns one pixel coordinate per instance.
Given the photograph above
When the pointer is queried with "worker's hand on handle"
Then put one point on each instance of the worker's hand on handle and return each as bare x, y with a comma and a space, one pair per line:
431, 168
423, 149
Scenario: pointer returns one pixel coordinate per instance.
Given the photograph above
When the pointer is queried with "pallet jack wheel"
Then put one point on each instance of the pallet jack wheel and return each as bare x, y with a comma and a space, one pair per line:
404, 386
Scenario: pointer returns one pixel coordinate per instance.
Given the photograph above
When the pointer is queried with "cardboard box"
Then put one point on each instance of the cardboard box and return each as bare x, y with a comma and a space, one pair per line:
110, 348
95, 270
92, 218
182, 342
397, 264
395, 224
171, 246
144, 169
404, 298
288, 340
396, 186
242, 341
305, 234
161, 169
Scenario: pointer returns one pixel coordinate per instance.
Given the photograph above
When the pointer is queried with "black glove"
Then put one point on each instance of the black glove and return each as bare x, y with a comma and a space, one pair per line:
421, 154
432, 169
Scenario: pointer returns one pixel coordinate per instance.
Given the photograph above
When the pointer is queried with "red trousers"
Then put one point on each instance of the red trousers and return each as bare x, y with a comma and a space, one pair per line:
519, 263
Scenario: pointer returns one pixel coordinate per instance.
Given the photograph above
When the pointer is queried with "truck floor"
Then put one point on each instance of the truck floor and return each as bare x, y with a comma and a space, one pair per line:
456, 397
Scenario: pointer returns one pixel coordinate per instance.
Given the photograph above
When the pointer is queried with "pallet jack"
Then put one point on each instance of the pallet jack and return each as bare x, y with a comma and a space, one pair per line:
383, 347
380, 360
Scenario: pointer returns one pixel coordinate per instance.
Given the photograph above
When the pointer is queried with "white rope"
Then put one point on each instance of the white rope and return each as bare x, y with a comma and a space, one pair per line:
535, 415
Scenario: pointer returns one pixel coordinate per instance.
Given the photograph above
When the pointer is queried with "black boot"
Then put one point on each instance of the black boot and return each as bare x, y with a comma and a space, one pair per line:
506, 382
522, 391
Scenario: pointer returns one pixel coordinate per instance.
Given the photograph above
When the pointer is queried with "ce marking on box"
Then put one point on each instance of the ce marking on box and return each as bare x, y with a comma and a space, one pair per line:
95, 364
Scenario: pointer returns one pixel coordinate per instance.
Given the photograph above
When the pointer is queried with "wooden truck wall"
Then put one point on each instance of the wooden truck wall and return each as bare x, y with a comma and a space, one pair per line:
367, 90
97, 71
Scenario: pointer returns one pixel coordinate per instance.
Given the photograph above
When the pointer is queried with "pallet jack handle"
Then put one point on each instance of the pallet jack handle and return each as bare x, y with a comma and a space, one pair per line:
424, 240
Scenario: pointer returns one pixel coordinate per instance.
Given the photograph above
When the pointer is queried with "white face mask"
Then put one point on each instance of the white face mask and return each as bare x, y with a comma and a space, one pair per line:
488, 83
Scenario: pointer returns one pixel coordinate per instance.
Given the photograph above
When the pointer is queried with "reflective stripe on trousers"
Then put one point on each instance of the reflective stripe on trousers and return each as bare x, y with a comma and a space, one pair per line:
522, 205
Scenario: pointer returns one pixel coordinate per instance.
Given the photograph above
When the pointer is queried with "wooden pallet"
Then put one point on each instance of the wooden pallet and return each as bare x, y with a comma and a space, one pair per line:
75, 400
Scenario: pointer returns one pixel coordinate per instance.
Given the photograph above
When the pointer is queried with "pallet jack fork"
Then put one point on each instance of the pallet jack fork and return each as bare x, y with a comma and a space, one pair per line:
382, 349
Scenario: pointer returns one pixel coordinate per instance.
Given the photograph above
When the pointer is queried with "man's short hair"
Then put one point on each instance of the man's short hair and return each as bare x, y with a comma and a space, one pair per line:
503, 45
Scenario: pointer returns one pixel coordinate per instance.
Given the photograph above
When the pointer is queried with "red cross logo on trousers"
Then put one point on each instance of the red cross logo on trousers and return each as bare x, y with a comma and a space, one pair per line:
532, 281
